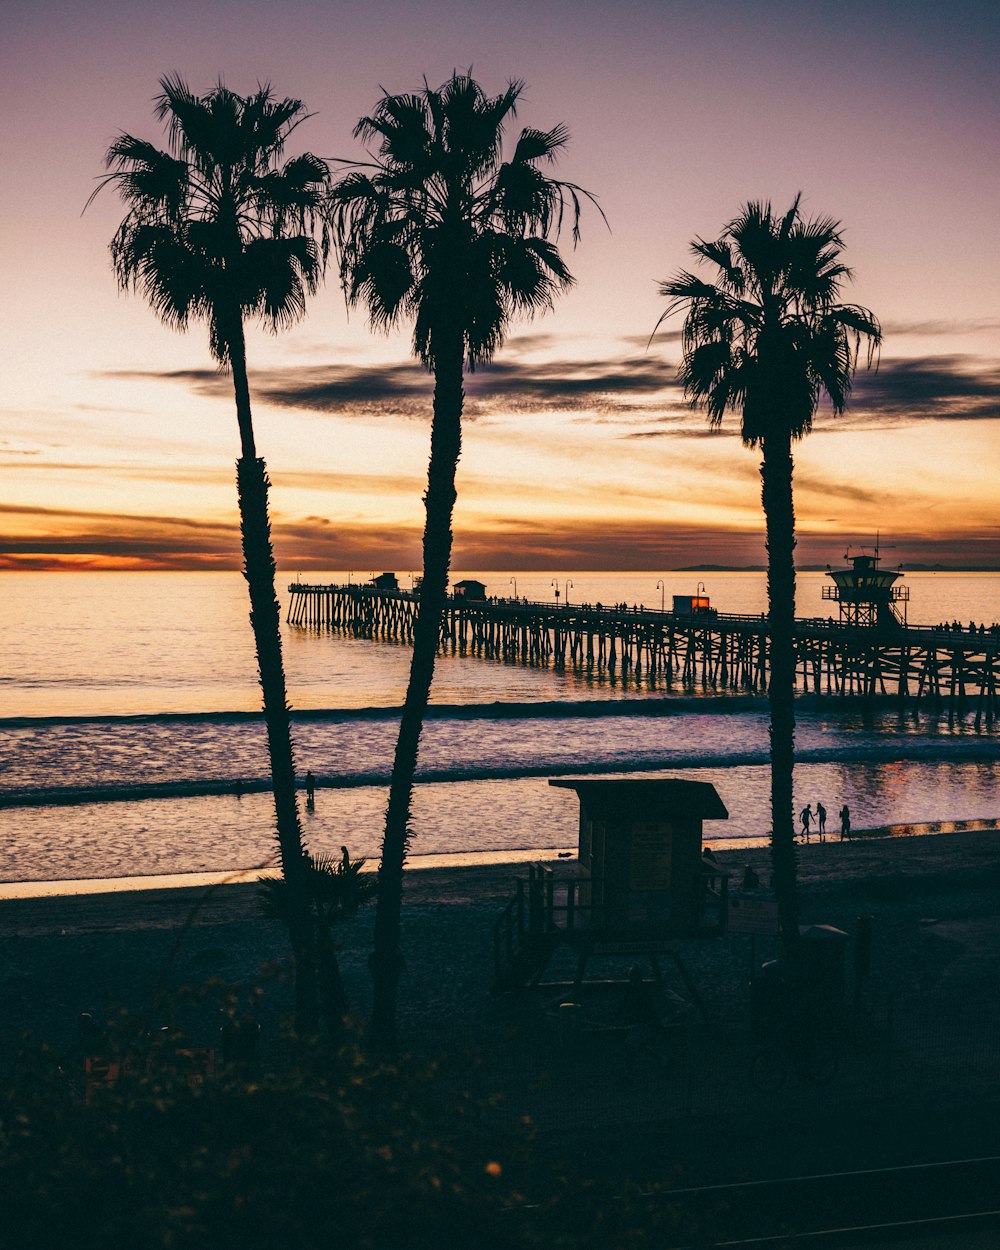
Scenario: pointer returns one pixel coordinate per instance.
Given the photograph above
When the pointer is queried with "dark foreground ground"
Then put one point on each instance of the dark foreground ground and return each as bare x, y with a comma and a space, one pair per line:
918, 1046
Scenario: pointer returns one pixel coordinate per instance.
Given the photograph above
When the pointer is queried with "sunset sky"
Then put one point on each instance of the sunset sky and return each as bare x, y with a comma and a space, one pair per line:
117, 435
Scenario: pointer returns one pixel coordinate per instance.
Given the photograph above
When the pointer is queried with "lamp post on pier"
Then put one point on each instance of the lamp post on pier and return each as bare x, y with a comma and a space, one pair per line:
513, 582
569, 582
556, 585
663, 594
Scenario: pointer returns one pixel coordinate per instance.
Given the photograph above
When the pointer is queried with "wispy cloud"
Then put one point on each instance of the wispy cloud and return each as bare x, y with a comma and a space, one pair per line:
940, 327
636, 386
405, 389
931, 387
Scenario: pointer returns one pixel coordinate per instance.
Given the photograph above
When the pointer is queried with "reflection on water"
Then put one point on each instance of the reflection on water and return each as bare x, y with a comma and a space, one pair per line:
220, 833
154, 643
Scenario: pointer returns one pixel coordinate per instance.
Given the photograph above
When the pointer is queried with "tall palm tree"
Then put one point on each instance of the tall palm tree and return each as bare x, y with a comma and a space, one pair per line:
765, 340
437, 226
217, 229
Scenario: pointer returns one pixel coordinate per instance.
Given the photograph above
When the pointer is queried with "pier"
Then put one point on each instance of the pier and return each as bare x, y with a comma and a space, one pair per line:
957, 669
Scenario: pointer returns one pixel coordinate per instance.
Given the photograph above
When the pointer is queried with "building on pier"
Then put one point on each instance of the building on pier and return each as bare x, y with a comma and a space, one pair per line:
868, 596
470, 590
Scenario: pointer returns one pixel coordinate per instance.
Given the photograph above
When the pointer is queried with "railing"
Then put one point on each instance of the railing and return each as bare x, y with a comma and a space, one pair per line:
545, 910
989, 637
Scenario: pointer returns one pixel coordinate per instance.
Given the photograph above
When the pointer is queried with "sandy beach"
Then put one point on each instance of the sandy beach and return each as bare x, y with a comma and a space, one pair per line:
920, 1050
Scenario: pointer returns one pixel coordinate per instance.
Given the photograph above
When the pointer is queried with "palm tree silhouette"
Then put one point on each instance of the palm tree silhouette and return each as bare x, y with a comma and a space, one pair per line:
437, 226
216, 229
766, 340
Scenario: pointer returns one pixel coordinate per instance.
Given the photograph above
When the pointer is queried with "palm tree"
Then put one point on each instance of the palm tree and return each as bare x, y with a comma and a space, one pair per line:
437, 226
765, 341
337, 889
217, 229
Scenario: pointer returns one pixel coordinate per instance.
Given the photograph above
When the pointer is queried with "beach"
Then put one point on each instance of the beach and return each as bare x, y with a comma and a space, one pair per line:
921, 1050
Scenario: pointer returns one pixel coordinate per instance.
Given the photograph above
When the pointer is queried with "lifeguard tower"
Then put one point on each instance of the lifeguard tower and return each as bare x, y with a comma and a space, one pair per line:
642, 882
868, 596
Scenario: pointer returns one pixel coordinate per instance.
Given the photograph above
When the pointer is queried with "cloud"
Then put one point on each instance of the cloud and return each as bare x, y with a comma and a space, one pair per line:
51, 538
940, 327
405, 389
936, 387
636, 387
31, 534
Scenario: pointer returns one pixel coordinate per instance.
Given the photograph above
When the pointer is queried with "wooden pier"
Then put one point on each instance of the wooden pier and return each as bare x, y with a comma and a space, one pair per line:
959, 669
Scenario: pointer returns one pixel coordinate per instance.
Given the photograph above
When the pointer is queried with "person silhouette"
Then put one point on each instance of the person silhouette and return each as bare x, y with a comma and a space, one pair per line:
845, 822
821, 821
310, 788
806, 816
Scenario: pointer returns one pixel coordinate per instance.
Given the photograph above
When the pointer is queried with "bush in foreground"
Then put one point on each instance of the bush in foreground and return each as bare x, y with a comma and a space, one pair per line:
326, 1152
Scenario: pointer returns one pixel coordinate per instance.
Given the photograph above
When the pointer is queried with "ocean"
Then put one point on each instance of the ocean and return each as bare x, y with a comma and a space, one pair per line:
135, 696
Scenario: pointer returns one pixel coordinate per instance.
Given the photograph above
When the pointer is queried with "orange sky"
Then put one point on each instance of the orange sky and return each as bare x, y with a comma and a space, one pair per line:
117, 436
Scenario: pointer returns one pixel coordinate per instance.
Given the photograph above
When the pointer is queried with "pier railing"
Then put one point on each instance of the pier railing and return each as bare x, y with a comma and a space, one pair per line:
716, 650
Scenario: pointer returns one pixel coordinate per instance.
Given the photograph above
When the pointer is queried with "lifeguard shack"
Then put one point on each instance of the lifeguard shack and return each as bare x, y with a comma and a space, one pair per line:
642, 881
868, 596
641, 868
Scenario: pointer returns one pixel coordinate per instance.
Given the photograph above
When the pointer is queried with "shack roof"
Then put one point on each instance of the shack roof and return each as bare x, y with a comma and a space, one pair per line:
647, 800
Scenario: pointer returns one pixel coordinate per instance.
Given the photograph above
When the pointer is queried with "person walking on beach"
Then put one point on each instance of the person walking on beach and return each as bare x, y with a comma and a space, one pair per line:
806, 816
821, 821
845, 822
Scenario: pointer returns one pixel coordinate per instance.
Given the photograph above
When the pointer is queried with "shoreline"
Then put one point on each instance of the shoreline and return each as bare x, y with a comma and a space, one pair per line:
87, 886
869, 866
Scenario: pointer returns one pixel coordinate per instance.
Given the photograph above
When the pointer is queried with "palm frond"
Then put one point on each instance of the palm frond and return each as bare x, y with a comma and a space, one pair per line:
418, 227
767, 336
214, 219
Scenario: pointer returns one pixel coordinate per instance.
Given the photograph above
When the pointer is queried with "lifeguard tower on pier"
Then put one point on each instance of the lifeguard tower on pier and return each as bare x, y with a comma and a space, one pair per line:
868, 596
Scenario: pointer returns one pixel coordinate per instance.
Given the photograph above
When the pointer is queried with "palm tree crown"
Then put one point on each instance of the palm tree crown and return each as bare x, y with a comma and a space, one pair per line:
768, 337
215, 228
438, 226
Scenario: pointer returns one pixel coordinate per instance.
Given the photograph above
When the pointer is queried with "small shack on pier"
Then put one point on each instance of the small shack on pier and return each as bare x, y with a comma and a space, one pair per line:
693, 605
470, 590
385, 581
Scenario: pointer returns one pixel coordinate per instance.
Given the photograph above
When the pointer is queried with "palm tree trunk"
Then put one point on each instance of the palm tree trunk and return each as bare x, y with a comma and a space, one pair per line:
265, 619
446, 447
779, 514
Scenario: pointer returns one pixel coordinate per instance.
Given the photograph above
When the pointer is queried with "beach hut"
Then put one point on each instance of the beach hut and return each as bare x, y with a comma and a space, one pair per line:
470, 590
640, 855
385, 581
